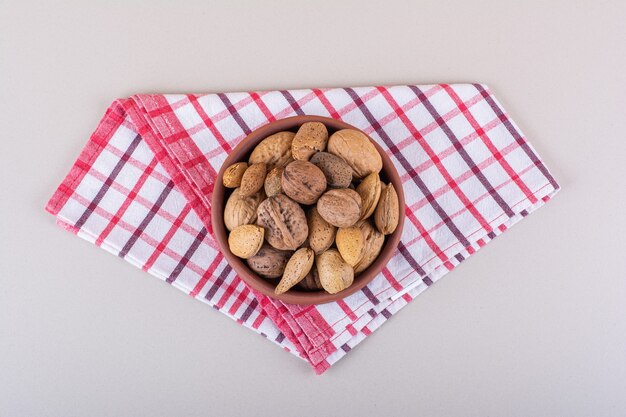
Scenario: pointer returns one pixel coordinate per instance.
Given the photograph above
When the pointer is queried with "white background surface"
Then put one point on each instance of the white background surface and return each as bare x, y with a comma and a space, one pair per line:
533, 324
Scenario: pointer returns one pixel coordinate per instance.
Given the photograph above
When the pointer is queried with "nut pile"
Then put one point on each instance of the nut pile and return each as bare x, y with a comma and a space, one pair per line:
309, 209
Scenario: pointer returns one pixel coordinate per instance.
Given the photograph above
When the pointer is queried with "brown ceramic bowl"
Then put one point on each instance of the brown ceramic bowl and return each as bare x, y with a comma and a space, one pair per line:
294, 295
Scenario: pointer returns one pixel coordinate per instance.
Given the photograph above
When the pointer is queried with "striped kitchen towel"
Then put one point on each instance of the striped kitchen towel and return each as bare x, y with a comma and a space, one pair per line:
141, 189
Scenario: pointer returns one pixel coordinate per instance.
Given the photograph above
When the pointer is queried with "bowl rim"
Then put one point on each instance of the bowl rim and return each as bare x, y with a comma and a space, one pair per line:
260, 284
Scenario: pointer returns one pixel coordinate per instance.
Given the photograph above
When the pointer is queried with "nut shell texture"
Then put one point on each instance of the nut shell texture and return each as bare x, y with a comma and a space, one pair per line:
340, 207
297, 268
387, 212
284, 222
269, 262
356, 149
303, 182
321, 233
374, 241
233, 174
252, 179
335, 274
311, 138
338, 174
272, 182
246, 240
241, 210
274, 150
369, 190
351, 244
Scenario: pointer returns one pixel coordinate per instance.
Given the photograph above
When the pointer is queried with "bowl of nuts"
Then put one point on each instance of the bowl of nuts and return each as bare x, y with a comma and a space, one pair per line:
307, 209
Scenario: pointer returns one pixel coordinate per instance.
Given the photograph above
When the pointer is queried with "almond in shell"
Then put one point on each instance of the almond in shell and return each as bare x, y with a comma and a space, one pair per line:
233, 174
246, 240
311, 138
338, 174
340, 207
297, 268
334, 273
355, 148
351, 244
253, 179
369, 190
272, 182
387, 212
374, 241
321, 233
274, 150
